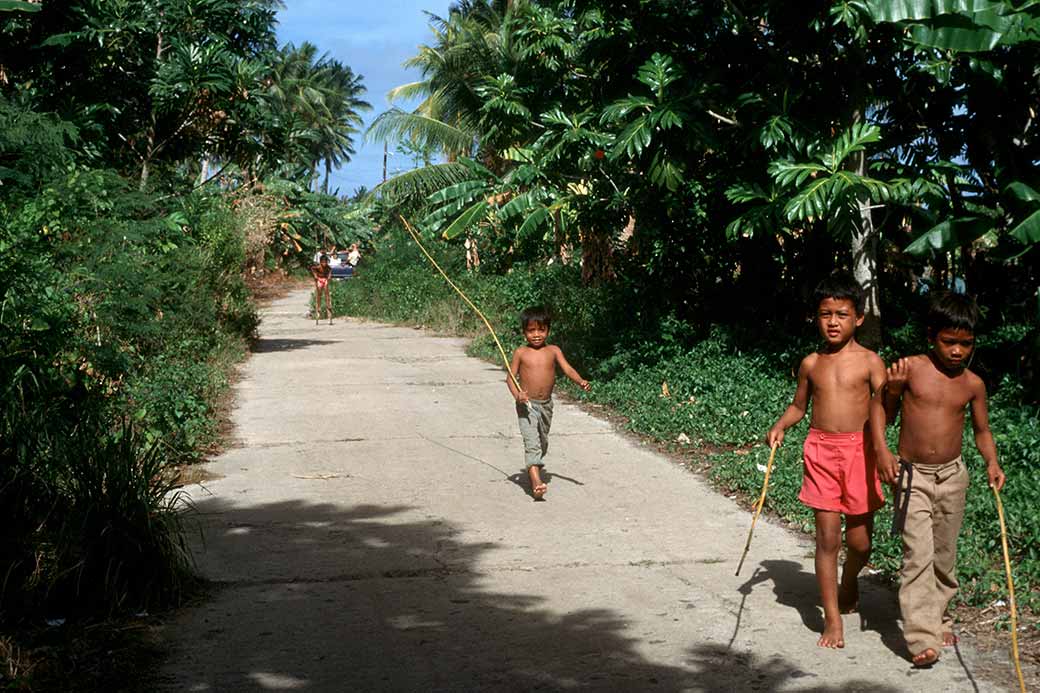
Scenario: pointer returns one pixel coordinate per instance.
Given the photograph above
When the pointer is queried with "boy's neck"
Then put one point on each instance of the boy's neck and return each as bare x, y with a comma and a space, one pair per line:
835, 348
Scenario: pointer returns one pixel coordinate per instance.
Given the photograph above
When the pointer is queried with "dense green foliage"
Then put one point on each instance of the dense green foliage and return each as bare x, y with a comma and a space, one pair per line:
151, 152
726, 386
723, 152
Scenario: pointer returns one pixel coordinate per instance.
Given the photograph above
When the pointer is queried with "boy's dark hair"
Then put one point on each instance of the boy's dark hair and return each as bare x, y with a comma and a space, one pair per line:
949, 310
842, 286
323, 257
535, 314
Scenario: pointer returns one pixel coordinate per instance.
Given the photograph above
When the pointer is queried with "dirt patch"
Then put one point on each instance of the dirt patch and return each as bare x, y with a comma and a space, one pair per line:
112, 655
269, 286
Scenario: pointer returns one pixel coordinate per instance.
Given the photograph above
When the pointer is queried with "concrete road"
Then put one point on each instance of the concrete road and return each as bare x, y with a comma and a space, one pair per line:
372, 532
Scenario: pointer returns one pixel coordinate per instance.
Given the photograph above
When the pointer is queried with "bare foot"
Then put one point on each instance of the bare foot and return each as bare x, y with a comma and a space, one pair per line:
926, 659
538, 487
949, 639
833, 635
848, 599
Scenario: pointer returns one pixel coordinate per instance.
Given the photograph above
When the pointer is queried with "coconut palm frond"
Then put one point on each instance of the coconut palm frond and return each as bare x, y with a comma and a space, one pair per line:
395, 125
422, 182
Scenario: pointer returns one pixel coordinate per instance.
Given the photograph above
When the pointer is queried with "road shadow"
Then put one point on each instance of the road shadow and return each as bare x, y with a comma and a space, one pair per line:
321, 597
794, 588
879, 612
721, 669
265, 345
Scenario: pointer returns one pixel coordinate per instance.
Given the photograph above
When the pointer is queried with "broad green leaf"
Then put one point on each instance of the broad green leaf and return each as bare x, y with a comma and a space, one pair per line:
1028, 231
465, 189
633, 139
622, 107
955, 33
658, 72
1023, 192
916, 10
19, 6
535, 219
60, 40
466, 219
665, 172
950, 234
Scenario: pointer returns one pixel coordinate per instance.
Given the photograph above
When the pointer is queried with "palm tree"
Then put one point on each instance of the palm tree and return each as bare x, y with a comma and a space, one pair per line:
316, 100
470, 45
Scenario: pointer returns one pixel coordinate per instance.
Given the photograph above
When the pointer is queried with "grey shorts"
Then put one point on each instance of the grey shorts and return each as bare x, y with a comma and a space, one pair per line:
535, 418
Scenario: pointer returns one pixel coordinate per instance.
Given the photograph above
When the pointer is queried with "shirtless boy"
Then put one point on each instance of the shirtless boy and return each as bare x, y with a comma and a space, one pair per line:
935, 388
839, 473
535, 368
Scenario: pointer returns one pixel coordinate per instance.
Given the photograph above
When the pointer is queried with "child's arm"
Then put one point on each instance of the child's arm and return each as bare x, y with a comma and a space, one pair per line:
983, 437
514, 367
882, 412
794, 413
898, 376
570, 372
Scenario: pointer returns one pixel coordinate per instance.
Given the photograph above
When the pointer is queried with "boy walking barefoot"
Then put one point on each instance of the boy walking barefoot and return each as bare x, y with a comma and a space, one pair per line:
839, 476
535, 368
935, 388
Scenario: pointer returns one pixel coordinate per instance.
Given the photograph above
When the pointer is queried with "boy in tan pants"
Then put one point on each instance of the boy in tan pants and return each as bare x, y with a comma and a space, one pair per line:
935, 388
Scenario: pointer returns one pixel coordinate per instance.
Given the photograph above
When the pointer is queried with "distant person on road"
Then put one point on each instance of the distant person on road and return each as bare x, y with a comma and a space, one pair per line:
535, 367
934, 389
839, 465
322, 272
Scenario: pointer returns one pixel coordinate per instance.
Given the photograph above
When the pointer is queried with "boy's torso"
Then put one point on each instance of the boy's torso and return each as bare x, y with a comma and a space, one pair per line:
840, 389
932, 417
538, 371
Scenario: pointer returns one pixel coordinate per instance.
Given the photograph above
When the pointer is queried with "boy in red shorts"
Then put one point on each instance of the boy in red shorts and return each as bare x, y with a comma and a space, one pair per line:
840, 475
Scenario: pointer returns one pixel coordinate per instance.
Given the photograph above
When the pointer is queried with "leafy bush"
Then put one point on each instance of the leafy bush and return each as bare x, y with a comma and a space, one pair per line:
120, 314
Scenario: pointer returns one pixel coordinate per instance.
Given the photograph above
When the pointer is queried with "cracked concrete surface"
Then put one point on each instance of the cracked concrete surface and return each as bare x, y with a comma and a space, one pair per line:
373, 533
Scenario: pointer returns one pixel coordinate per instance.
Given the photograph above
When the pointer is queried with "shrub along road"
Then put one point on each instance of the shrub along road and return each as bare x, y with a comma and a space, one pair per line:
372, 531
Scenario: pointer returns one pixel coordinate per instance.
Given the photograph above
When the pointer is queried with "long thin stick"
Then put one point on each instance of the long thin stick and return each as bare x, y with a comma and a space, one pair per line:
758, 510
1011, 590
505, 359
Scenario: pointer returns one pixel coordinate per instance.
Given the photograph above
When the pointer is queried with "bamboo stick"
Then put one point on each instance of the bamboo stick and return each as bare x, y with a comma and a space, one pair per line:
1011, 591
505, 359
758, 510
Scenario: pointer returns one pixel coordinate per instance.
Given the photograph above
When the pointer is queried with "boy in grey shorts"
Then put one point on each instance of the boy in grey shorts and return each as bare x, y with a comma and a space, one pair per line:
535, 367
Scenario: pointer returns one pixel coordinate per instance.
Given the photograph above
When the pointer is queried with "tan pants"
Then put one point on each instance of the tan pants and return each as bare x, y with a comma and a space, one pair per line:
928, 578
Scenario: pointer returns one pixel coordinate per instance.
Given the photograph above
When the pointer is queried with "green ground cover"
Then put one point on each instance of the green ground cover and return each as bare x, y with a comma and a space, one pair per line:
727, 384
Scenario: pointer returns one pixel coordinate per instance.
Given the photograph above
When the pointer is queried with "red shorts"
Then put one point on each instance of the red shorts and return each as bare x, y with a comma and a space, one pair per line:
840, 474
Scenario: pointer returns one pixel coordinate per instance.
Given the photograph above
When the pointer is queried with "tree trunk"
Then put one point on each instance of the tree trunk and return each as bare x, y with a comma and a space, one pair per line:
864, 267
204, 172
328, 170
597, 257
147, 158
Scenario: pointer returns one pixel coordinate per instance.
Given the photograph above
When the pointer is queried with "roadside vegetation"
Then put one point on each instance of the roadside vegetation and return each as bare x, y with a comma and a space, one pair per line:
155, 157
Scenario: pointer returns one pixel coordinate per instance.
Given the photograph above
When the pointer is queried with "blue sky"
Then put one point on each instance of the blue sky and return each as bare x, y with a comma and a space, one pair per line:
373, 37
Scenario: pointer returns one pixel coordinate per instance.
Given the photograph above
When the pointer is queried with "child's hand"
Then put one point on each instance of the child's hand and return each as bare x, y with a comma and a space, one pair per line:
898, 374
887, 467
996, 476
521, 397
584, 385
775, 436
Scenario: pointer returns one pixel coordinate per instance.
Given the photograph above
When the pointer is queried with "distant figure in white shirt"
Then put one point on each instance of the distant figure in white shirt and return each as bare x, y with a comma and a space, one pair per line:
354, 256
